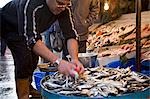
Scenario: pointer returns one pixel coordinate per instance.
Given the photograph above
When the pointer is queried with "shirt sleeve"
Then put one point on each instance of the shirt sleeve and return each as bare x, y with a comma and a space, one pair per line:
27, 22
67, 25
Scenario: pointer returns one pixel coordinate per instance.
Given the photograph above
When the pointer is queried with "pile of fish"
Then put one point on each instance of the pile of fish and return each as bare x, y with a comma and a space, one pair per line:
106, 39
97, 82
117, 35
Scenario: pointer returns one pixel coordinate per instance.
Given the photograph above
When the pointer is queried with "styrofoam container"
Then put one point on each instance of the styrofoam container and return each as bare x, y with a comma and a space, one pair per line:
108, 59
131, 55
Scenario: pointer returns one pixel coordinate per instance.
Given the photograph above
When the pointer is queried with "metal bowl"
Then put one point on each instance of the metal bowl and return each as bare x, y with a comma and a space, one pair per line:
87, 59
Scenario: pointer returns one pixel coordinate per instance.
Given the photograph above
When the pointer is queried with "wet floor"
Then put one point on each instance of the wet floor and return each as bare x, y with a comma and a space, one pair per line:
7, 82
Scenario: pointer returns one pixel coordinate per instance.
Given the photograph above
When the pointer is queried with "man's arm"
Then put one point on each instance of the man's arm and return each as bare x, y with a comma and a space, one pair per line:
70, 34
72, 46
64, 67
40, 49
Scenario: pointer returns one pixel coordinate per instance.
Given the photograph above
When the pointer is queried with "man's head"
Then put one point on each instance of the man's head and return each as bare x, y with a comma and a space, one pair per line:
57, 6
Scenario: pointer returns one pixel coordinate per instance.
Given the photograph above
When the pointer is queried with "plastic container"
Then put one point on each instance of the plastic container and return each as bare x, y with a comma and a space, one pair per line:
119, 64
87, 59
103, 61
146, 63
46, 94
129, 63
38, 77
145, 67
114, 64
137, 95
146, 72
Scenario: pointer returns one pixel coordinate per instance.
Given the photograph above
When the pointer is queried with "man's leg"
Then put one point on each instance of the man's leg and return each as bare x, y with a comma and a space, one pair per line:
3, 47
33, 92
22, 88
24, 63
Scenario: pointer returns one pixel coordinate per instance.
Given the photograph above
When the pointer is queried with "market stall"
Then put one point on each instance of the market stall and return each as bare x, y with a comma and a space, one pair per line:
117, 38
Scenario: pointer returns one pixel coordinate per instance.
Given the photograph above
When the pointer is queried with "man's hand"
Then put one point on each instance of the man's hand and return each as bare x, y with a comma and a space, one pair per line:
66, 68
79, 67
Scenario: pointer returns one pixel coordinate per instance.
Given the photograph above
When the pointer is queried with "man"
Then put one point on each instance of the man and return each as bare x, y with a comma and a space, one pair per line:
85, 13
22, 23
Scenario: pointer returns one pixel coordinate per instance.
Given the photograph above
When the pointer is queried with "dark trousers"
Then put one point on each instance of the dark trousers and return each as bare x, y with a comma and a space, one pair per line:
3, 47
25, 60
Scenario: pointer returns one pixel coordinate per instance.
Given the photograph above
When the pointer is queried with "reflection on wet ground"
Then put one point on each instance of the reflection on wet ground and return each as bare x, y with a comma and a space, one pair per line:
7, 81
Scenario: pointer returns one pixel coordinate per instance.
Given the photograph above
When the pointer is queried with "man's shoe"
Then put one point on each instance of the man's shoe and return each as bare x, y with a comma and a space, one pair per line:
34, 94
